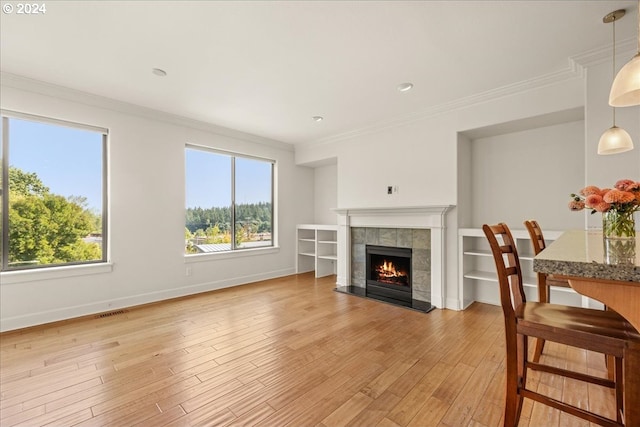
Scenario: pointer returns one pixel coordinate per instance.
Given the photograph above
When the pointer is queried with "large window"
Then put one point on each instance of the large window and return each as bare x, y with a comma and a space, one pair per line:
229, 201
53, 195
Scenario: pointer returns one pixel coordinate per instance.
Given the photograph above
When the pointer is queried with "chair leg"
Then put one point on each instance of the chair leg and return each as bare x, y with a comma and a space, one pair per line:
609, 362
543, 296
619, 387
538, 349
515, 367
513, 406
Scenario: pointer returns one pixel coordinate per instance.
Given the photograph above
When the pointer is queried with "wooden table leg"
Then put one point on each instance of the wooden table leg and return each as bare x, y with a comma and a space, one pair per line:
632, 384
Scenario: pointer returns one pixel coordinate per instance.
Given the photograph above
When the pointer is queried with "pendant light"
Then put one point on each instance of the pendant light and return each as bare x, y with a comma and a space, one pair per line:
614, 140
625, 90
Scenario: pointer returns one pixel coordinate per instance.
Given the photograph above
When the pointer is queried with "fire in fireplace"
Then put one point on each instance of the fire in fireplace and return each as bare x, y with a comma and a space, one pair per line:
388, 274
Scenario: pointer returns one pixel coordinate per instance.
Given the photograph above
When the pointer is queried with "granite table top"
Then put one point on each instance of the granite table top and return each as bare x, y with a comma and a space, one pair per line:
586, 254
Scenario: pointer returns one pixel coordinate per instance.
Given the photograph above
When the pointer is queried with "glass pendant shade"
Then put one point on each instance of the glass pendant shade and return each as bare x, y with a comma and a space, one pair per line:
625, 91
615, 140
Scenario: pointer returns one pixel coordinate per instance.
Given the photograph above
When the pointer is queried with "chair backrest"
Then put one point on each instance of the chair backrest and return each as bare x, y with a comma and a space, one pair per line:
535, 233
507, 263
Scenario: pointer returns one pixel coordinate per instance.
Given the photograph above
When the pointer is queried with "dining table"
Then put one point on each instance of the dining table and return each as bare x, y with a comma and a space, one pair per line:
606, 270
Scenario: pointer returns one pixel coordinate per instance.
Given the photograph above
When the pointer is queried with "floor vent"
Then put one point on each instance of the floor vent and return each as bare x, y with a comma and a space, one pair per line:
111, 313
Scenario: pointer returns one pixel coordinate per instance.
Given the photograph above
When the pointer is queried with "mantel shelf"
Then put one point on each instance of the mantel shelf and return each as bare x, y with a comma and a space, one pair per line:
399, 210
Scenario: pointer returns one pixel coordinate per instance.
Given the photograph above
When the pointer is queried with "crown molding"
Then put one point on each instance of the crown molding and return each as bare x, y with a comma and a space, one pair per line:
625, 49
62, 92
572, 71
575, 69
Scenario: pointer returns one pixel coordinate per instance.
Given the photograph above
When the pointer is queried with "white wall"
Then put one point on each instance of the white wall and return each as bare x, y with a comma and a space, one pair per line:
146, 215
465, 162
325, 194
528, 175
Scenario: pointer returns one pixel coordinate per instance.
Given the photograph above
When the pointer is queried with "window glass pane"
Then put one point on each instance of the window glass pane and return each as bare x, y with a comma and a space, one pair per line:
253, 210
55, 194
208, 202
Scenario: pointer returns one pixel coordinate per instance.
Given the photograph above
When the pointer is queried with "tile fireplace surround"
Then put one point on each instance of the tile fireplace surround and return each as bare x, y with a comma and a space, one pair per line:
392, 220
419, 240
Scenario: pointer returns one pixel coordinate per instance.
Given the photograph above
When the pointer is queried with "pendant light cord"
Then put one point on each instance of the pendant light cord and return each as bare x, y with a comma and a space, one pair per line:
614, 63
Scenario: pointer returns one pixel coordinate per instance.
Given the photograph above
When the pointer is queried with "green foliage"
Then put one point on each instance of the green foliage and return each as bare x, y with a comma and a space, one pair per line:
258, 214
46, 228
25, 183
213, 225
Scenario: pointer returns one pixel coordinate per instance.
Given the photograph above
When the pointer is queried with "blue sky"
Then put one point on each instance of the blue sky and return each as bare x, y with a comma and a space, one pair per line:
67, 160
208, 179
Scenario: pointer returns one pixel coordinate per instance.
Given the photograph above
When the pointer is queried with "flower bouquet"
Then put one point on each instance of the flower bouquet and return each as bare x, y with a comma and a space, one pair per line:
617, 206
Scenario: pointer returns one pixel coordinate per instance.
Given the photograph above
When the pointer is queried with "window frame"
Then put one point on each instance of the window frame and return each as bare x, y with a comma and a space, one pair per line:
66, 268
235, 251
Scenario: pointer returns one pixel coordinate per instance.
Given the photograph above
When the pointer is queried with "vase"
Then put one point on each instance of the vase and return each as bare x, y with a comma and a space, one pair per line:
620, 251
618, 225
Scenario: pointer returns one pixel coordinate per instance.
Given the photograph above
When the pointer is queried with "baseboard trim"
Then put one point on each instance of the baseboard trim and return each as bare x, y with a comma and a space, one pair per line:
67, 313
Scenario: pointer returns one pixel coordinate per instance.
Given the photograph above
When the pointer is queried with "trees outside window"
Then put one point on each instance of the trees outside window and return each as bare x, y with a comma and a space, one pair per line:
53, 193
229, 201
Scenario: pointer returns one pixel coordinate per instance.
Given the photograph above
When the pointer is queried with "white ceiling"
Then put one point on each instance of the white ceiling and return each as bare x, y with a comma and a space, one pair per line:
267, 67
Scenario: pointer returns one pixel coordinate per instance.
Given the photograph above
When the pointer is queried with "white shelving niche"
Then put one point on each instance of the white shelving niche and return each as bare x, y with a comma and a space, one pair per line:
477, 273
317, 248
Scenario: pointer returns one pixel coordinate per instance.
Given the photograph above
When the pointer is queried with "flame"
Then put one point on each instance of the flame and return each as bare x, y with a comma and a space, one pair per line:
387, 270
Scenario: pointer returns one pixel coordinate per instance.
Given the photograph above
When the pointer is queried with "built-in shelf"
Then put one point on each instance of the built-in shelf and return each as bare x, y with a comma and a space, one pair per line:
317, 246
477, 275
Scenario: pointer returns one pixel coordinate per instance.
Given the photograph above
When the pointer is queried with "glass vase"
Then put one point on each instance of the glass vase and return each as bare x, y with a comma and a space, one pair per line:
620, 251
618, 225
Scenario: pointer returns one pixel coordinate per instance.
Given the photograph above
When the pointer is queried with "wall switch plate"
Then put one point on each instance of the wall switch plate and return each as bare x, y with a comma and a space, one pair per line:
390, 190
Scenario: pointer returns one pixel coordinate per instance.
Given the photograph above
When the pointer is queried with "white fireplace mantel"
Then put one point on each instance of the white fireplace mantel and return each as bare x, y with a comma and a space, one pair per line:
431, 217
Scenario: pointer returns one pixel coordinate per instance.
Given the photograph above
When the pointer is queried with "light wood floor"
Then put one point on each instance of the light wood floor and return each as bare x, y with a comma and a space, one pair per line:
282, 352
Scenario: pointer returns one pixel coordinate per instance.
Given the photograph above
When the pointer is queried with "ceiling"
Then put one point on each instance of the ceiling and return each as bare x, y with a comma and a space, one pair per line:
267, 67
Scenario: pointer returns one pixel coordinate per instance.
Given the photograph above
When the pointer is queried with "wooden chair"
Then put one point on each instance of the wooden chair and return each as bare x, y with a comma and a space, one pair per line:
545, 281
595, 330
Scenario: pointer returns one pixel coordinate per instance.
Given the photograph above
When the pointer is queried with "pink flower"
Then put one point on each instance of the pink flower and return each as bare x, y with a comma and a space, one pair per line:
623, 198
576, 205
593, 200
617, 196
602, 207
625, 184
634, 187
589, 190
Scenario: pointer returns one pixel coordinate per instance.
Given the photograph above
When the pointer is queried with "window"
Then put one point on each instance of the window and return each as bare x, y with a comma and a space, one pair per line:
229, 201
53, 197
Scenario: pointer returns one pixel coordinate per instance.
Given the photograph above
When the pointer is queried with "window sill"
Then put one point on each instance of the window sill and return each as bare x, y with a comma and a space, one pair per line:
189, 259
20, 276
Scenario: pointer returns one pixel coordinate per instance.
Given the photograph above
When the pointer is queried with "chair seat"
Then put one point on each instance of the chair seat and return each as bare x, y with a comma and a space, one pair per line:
592, 329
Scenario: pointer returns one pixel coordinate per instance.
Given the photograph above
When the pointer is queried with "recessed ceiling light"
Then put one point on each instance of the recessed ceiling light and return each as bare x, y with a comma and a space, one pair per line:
318, 118
405, 87
159, 72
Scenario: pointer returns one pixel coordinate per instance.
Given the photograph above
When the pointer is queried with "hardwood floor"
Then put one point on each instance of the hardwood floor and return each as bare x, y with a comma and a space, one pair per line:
289, 351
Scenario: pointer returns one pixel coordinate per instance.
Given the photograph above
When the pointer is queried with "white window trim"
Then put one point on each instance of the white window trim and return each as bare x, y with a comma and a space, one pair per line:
52, 273
65, 270
238, 253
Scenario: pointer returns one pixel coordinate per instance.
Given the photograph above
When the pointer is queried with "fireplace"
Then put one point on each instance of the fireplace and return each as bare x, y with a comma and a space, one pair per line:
421, 228
388, 274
